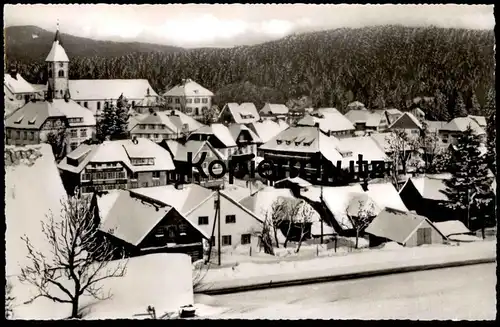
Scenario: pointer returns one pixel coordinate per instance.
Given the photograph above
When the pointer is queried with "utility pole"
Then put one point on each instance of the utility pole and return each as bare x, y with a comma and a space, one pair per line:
321, 185
218, 224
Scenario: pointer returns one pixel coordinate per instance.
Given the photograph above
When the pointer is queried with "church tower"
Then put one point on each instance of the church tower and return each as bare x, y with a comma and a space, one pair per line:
58, 70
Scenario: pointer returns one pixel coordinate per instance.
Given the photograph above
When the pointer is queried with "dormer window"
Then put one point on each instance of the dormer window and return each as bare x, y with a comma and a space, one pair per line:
297, 143
32, 121
279, 141
142, 161
288, 142
346, 154
19, 120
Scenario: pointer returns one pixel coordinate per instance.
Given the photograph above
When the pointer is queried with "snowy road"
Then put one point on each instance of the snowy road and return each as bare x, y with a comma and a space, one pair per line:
453, 293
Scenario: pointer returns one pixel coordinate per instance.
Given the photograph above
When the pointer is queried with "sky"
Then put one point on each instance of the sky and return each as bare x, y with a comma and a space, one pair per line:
198, 25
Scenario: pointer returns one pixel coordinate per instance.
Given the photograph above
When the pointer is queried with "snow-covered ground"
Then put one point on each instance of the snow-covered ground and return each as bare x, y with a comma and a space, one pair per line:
390, 256
163, 281
460, 293
33, 189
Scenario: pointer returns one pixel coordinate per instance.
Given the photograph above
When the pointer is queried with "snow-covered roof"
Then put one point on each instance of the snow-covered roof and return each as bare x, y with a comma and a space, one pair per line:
435, 126
336, 200
109, 89
356, 104
295, 180
174, 121
372, 118
180, 150
383, 140
262, 201
401, 122
363, 145
396, 225
27, 203
188, 88
305, 139
430, 186
57, 53
329, 119
220, 131
236, 129
385, 195
131, 219
268, 129
480, 120
452, 227
34, 114
185, 200
244, 113
274, 109
154, 275
120, 151
17, 85
105, 202
460, 124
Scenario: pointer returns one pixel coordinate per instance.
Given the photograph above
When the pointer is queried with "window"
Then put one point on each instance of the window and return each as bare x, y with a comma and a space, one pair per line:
156, 174
160, 232
424, 236
226, 240
18, 134
170, 108
189, 100
204, 109
83, 132
32, 136
61, 73
151, 126
134, 185
204, 100
230, 219
98, 105
134, 176
156, 182
169, 100
142, 126
245, 239
172, 231
73, 133
73, 146
197, 100
414, 131
86, 104
177, 100
203, 220
144, 184
157, 136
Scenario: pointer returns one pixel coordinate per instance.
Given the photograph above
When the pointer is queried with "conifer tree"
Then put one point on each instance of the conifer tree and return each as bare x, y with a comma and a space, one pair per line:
469, 188
441, 111
113, 124
490, 105
460, 109
475, 106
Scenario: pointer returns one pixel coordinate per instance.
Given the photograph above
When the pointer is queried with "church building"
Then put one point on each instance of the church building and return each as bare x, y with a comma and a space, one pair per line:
58, 113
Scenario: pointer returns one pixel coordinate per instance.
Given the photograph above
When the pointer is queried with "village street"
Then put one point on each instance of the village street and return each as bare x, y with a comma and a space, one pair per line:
451, 293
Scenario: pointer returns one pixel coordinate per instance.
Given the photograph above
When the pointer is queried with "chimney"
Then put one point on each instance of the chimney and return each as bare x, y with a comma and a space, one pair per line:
147, 91
13, 72
134, 140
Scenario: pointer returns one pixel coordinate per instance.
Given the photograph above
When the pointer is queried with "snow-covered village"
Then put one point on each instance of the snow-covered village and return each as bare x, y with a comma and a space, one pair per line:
250, 162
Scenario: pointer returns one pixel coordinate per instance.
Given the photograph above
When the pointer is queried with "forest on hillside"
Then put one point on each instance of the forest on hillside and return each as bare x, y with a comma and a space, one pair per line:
382, 67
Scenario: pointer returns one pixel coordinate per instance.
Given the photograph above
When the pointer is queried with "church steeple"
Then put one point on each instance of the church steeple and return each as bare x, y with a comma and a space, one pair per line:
58, 68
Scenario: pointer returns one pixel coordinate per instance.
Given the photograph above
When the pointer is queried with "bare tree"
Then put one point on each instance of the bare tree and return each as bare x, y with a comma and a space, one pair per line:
400, 149
265, 239
199, 273
305, 213
9, 299
79, 259
277, 215
362, 218
292, 210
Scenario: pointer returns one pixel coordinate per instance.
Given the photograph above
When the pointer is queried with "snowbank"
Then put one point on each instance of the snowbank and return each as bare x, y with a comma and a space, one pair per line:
163, 281
33, 189
250, 273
